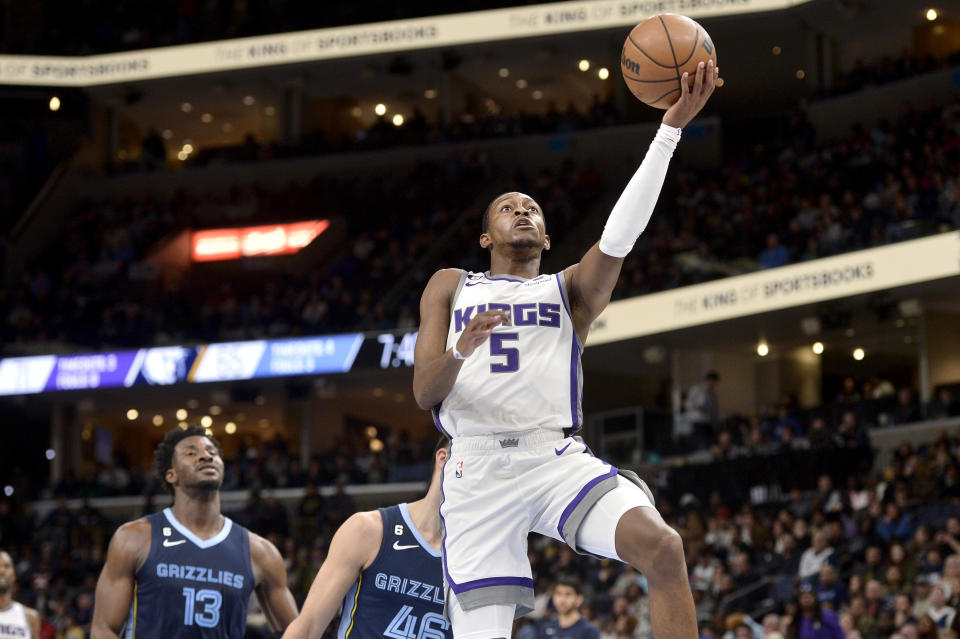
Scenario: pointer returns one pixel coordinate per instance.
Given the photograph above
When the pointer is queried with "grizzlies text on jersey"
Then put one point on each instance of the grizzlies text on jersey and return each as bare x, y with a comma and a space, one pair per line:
189, 587
527, 375
400, 595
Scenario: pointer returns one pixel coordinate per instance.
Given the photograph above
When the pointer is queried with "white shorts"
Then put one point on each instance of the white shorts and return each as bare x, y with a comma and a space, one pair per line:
498, 489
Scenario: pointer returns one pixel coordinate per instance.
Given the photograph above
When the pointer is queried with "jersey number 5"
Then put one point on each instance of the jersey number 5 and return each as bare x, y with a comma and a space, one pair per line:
211, 600
512, 362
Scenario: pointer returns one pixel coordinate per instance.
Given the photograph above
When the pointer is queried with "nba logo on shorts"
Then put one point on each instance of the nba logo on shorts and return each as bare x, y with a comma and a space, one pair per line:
459, 469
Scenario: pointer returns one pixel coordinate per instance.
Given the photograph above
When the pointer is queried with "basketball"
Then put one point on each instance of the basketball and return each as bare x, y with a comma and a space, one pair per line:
656, 54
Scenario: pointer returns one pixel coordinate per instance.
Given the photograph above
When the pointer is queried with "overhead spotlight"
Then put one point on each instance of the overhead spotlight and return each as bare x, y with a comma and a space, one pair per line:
817, 348
181, 414
376, 445
801, 74
183, 425
430, 94
397, 119
584, 65
380, 109
54, 103
215, 410
206, 421
521, 84
249, 100
167, 134
538, 95
158, 420
720, 82
370, 431
230, 428
763, 349
186, 107
187, 148
356, 112
8, 490
132, 414
932, 14
208, 432
777, 50
603, 73
206, 118
858, 354
504, 72
50, 454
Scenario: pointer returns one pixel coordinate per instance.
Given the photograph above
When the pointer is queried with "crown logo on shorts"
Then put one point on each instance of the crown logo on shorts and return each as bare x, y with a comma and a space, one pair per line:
510, 442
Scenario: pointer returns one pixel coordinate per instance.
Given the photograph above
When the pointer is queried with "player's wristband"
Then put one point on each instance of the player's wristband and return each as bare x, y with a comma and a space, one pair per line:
457, 354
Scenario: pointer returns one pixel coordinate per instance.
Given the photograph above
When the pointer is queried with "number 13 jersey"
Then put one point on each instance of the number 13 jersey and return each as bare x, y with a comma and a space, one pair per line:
527, 375
189, 587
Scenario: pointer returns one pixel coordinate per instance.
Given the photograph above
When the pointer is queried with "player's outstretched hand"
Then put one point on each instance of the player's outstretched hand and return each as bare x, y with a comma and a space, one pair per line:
479, 330
692, 100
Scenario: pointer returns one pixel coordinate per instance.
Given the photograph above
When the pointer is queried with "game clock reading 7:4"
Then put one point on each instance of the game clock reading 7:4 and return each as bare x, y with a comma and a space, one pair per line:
397, 349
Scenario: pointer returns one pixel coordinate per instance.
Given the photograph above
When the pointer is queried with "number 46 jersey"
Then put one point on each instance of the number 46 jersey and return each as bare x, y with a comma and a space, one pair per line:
189, 587
527, 375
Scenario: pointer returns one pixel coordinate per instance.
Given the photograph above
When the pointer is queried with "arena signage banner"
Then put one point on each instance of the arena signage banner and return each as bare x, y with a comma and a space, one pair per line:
167, 365
866, 271
356, 40
254, 241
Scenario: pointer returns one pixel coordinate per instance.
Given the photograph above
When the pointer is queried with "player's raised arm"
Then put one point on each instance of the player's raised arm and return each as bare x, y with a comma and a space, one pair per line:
127, 551
591, 282
435, 367
353, 548
272, 591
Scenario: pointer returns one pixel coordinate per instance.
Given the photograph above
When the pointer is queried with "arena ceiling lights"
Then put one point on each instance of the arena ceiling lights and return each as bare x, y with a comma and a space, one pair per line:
374, 38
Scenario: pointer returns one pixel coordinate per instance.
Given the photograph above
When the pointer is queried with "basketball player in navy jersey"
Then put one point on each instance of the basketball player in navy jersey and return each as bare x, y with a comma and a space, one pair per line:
16, 620
188, 571
498, 361
383, 572
569, 623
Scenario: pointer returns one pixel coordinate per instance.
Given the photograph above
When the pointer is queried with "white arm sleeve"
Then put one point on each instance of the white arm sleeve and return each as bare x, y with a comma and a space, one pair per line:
633, 210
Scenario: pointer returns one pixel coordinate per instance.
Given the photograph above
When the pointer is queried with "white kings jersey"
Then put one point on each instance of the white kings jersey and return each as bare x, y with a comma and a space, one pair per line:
527, 375
13, 622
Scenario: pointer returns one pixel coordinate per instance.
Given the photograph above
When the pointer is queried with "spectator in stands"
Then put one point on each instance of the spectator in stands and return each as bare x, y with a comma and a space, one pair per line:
894, 524
813, 558
907, 409
831, 592
811, 621
569, 623
701, 408
946, 403
941, 613
774, 254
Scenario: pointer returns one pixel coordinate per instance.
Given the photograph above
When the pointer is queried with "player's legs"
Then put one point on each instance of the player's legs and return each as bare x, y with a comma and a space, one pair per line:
643, 539
486, 622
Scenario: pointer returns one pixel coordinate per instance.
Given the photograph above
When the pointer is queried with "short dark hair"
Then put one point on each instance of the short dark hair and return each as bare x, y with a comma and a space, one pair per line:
485, 221
163, 455
570, 581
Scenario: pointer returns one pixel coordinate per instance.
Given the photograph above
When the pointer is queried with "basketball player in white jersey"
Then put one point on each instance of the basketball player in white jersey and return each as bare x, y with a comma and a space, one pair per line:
16, 620
498, 361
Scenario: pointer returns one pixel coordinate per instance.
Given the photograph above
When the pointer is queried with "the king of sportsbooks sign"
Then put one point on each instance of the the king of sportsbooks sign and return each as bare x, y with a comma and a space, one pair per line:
364, 39
929, 258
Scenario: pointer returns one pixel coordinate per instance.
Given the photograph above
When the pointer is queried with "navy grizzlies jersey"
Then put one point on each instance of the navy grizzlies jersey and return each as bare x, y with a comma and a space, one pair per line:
400, 596
189, 587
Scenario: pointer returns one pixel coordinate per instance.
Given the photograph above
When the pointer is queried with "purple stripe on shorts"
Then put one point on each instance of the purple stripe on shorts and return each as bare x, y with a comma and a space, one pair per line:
443, 498
487, 582
435, 411
583, 493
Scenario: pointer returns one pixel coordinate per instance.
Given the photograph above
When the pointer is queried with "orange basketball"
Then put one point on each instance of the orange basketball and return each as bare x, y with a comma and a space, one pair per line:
658, 51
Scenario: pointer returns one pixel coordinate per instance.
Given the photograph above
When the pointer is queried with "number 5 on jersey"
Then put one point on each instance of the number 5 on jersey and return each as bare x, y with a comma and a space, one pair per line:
511, 363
